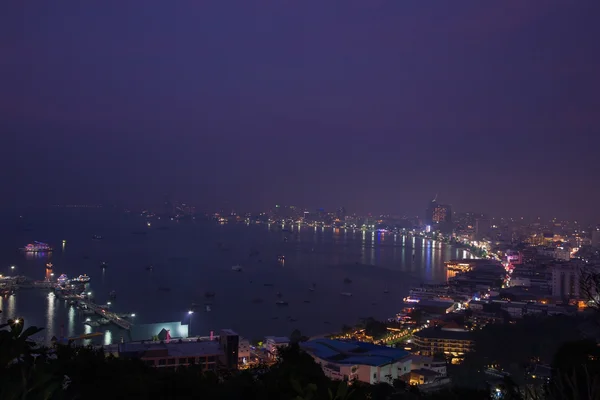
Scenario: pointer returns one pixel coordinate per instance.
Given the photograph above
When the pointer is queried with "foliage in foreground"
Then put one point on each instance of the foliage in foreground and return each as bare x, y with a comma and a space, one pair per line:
66, 372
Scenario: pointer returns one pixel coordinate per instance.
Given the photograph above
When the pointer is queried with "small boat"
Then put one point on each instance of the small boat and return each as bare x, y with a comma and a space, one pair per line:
347, 294
49, 265
237, 268
281, 258
208, 308
281, 303
386, 291
103, 265
149, 268
347, 280
97, 237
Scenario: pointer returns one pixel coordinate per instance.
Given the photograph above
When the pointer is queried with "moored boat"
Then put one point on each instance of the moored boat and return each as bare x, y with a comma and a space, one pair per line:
37, 247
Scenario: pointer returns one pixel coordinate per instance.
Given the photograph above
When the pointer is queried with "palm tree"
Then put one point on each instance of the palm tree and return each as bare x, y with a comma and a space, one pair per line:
19, 357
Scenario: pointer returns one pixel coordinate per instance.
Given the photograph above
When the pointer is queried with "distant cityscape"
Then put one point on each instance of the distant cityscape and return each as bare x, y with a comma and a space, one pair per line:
518, 269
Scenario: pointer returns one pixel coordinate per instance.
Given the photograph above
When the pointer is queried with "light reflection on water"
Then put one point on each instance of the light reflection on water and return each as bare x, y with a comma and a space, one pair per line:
50, 313
187, 260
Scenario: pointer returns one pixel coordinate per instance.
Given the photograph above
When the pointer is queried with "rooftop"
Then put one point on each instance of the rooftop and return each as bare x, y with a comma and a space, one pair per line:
148, 331
174, 348
436, 333
425, 372
359, 353
278, 339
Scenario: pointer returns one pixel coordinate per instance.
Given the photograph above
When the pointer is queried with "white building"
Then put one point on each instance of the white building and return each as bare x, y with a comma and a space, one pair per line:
243, 351
565, 280
360, 361
428, 362
274, 343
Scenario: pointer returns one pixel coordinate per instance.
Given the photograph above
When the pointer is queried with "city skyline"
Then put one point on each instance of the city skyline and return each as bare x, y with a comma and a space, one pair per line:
375, 106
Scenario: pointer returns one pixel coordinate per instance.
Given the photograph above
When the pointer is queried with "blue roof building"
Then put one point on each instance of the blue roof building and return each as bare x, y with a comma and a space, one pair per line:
365, 362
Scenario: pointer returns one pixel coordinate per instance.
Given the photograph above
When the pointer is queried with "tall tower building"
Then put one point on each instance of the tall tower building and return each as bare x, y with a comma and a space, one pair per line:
439, 216
596, 237
483, 227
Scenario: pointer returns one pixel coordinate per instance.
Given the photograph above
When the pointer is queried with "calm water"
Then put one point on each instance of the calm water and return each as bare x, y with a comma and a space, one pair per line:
188, 259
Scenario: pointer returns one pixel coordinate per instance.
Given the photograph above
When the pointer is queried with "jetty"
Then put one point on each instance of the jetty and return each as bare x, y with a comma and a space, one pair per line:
104, 313
12, 283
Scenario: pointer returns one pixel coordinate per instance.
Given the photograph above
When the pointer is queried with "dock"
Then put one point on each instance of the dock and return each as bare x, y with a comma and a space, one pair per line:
99, 310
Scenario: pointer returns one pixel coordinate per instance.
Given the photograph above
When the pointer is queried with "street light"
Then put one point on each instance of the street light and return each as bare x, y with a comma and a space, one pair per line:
190, 312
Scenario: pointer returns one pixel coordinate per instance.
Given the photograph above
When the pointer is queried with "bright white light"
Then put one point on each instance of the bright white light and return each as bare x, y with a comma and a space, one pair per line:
132, 315
190, 312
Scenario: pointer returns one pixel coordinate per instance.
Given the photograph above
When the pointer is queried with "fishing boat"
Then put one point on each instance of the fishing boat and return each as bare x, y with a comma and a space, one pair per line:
49, 265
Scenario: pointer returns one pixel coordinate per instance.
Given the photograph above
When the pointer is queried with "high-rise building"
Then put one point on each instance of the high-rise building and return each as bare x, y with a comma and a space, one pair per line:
229, 342
341, 214
596, 237
565, 280
483, 228
439, 216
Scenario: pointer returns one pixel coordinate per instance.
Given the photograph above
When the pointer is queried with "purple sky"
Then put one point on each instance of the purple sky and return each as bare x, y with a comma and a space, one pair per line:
375, 105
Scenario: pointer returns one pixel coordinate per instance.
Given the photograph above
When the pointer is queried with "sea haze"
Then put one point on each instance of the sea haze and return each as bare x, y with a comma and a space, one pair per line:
189, 259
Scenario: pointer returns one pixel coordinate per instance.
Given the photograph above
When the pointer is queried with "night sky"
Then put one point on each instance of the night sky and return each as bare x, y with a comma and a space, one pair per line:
374, 105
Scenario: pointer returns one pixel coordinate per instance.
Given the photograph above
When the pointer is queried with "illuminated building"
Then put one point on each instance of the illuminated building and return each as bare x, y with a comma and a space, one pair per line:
439, 216
450, 341
173, 354
365, 362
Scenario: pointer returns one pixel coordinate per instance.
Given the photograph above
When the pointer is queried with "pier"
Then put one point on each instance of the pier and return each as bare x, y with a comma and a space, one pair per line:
99, 310
9, 284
